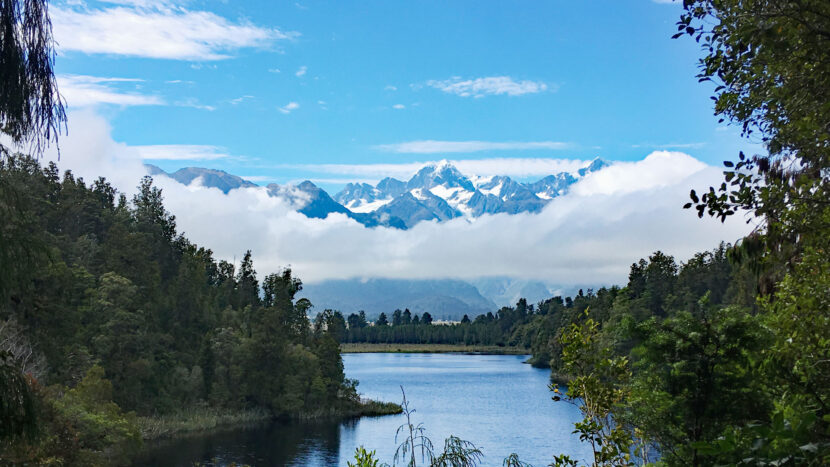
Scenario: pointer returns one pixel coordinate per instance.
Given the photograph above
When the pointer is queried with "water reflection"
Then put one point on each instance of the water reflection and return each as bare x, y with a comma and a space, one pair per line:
497, 402
290, 444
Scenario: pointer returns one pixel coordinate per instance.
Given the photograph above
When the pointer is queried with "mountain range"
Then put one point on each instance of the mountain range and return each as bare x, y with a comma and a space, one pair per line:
446, 299
437, 192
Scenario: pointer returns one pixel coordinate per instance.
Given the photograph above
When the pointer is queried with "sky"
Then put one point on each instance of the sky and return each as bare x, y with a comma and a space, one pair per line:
337, 92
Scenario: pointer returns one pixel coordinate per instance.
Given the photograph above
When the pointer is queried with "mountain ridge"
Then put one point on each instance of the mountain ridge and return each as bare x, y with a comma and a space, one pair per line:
436, 192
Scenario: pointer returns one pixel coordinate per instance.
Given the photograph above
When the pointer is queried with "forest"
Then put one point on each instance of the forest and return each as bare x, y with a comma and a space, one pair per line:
109, 315
657, 287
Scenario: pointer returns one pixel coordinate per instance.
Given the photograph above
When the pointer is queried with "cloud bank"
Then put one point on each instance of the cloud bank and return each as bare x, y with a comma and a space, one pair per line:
180, 152
490, 85
155, 29
590, 236
83, 91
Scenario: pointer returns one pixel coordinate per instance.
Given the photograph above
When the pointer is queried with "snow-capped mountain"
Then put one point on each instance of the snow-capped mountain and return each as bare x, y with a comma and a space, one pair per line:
438, 192
314, 202
207, 177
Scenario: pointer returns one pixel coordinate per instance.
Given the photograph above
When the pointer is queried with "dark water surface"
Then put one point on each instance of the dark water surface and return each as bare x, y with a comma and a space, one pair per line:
495, 401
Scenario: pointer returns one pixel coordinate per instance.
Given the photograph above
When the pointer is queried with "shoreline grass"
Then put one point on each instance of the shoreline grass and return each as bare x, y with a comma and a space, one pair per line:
432, 348
365, 408
198, 420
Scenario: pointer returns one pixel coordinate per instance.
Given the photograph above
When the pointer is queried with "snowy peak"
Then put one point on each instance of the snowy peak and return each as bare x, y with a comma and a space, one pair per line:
596, 165
209, 178
439, 174
437, 192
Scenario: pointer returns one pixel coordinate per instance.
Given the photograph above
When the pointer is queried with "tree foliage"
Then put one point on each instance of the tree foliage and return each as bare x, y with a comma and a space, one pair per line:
105, 293
30, 106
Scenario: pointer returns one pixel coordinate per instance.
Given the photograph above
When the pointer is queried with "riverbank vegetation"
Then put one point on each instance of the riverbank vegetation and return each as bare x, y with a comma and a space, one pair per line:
196, 420
431, 348
113, 326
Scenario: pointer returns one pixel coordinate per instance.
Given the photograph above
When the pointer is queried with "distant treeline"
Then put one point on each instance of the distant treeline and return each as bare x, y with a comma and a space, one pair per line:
657, 287
106, 310
405, 328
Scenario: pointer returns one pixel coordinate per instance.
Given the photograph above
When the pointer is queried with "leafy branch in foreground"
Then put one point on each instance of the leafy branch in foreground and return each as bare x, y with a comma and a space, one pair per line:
599, 388
31, 109
770, 63
457, 452
415, 438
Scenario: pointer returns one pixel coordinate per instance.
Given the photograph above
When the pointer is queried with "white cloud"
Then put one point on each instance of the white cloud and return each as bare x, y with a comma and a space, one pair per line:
589, 236
180, 152
519, 167
301, 71
194, 103
274, 70
241, 99
156, 29
389, 87
659, 169
289, 107
491, 85
399, 106
84, 91
199, 66
434, 147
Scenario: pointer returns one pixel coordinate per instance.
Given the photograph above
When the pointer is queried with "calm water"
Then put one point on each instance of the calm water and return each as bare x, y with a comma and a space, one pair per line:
495, 401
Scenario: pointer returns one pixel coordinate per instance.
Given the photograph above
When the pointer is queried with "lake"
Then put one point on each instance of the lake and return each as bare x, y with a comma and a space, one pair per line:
495, 401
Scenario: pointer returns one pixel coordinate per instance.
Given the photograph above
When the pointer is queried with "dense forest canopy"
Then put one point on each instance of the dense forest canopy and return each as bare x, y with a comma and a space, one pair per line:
99, 291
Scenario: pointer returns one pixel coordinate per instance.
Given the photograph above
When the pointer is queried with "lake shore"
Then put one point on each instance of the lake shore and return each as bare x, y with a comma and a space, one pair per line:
202, 420
198, 420
432, 348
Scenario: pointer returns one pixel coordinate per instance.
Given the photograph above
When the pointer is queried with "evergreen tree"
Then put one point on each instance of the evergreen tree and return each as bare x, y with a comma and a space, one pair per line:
382, 321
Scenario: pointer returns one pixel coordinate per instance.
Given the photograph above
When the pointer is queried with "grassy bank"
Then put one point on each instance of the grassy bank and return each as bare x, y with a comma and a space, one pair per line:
205, 419
432, 348
198, 420
366, 408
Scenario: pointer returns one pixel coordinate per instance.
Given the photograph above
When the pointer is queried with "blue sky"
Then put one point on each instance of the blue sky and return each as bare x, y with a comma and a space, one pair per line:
284, 91
347, 91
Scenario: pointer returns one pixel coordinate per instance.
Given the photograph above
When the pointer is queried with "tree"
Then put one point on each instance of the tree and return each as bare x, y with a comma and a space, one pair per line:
397, 318
278, 289
695, 377
18, 416
598, 387
770, 62
247, 284
150, 212
357, 320
427, 318
406, 318
382, 320
30, 105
